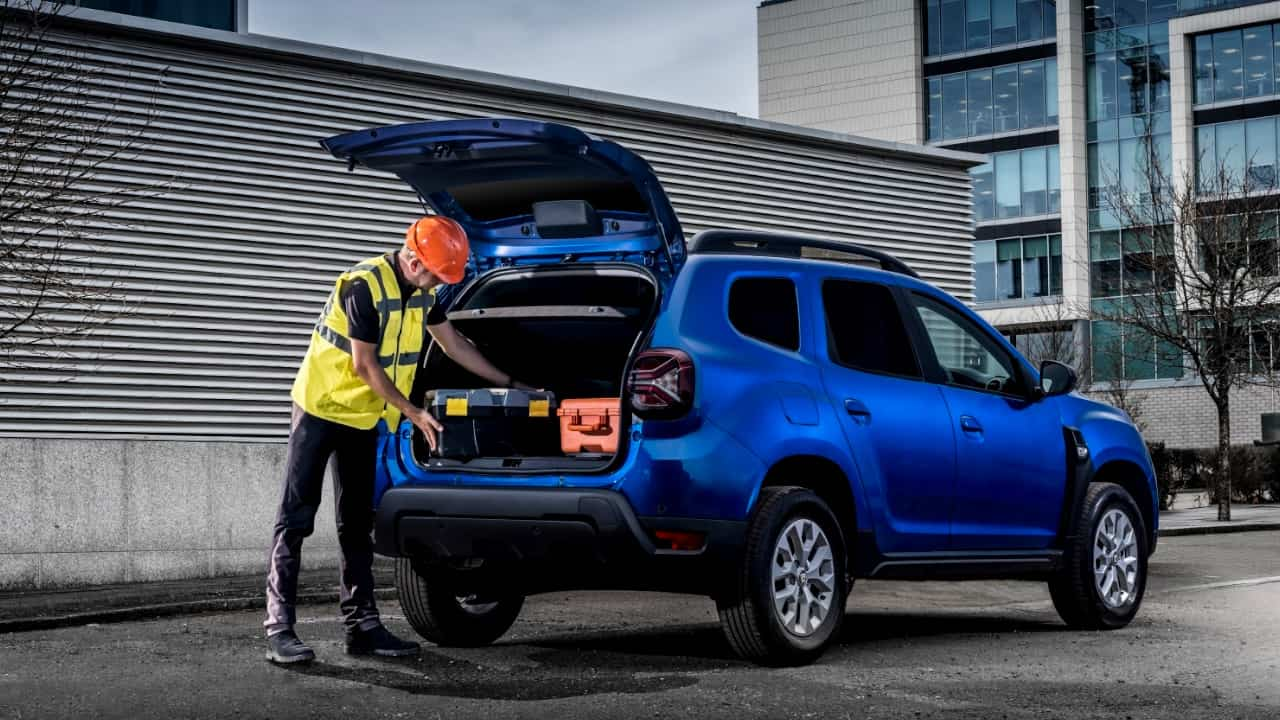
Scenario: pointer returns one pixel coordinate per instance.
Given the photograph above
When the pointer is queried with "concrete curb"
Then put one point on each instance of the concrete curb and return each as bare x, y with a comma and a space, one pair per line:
1218, 529
151, 612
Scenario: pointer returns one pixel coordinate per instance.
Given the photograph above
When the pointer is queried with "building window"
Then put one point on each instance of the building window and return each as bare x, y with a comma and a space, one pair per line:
1252, 247
1017, 268
1121, 172
1133, 81
1019, 183
993, 100
216, 14
955, 107
1039, 345
1008, 182
984, 192
1228, 81
1236, 64
1004, 22
1122, 351
981, 109
1239, 155
979, 25
1204, 68
1129, 262
953, 26
1055, 181
1035, 182
1102, 16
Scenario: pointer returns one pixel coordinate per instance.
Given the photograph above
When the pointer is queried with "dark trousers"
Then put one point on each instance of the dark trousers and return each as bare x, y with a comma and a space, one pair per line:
351, 453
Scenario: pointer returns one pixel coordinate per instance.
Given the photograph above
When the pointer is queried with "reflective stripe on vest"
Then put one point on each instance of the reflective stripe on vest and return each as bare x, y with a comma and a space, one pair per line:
327, 385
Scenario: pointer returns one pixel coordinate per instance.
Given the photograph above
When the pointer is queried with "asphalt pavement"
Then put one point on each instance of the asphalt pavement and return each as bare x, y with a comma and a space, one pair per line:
1205, 645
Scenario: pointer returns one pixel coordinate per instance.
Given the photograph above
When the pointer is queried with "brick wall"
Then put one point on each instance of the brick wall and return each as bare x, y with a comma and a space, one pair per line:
1184, 417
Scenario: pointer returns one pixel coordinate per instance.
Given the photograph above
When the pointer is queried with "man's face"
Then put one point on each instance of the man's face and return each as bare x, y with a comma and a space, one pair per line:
417, 273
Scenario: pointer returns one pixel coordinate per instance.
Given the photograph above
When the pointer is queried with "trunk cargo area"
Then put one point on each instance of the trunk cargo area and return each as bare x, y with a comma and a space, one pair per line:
568, 330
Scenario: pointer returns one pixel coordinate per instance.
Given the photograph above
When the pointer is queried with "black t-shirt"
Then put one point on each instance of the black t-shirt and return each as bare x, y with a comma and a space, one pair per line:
362, 316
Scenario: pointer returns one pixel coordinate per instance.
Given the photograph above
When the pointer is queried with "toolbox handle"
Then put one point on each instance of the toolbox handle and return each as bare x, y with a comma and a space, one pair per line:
591, 428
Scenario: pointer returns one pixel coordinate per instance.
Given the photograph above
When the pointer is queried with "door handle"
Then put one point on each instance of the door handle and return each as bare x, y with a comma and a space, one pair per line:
969, 423
858, 410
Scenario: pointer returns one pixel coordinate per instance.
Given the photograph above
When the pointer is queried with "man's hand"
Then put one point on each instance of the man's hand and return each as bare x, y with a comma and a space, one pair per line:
522, 386
427, 424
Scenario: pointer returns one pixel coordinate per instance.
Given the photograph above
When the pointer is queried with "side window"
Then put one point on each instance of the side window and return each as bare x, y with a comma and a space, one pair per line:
864, 329
765, 309
969, 357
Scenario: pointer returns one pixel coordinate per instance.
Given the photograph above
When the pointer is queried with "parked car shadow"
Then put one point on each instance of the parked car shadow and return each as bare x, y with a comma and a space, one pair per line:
870, 626
626, 661
703, 646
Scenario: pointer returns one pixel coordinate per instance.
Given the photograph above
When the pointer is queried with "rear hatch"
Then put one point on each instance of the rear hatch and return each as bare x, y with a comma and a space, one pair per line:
529, 192
573, 244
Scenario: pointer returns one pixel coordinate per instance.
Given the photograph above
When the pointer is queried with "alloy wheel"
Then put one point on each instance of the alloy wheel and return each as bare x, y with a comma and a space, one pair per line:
1115, 559
804, 576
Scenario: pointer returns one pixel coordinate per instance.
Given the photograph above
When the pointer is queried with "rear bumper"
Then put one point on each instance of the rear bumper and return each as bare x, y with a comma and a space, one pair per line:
552, 534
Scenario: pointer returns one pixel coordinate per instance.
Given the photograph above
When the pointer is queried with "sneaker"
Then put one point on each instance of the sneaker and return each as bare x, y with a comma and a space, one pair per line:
379, 641
285, 648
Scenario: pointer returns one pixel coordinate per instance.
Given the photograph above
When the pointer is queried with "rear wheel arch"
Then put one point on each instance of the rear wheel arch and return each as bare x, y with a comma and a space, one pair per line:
827, 480
1131, 477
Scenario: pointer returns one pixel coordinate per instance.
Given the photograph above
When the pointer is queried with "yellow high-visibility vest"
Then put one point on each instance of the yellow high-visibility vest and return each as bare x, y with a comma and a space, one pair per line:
327, 385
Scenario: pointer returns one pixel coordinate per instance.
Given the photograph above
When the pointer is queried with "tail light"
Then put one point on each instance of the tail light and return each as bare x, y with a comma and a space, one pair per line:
679, 540
661, 384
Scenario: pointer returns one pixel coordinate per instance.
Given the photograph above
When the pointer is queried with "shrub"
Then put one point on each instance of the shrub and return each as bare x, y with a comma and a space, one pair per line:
1255, 474
1175, 469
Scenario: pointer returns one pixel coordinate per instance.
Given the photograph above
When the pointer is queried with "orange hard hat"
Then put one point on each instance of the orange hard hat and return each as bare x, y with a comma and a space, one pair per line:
441, 244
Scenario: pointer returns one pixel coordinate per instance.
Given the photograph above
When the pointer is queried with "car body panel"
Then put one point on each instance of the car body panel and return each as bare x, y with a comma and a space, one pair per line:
486, 173
1011, 471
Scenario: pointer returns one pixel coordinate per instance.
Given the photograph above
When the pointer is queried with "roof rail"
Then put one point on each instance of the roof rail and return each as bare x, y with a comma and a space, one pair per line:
756, 242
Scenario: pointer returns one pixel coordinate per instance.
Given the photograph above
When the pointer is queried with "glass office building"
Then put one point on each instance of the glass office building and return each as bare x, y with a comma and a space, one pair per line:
1072, 102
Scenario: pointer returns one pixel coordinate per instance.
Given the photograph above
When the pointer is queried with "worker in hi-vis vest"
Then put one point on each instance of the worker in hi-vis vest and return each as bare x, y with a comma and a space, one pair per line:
358, 371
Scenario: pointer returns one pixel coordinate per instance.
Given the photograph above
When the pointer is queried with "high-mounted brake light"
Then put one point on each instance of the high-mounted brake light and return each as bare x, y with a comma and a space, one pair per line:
661, 384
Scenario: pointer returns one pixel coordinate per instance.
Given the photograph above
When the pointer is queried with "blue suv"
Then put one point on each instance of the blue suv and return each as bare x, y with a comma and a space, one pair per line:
797, 413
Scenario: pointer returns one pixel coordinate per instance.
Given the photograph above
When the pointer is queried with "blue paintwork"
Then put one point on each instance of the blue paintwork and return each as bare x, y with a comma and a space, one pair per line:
931, 467
434, 157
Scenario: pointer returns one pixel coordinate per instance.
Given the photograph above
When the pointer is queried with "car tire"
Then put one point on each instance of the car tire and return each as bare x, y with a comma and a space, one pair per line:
440, 603
776, 633
1095, 589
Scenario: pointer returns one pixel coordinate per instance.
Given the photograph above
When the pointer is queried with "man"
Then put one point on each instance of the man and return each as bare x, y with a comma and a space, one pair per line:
357, 373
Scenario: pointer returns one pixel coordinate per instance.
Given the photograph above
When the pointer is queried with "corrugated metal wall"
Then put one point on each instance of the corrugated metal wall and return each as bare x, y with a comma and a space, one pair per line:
228, 267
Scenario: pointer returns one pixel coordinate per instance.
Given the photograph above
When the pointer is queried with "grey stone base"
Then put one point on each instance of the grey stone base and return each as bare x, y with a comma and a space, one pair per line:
86, 512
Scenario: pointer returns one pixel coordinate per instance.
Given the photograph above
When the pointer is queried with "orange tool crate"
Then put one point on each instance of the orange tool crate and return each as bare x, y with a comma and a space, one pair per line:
589, 425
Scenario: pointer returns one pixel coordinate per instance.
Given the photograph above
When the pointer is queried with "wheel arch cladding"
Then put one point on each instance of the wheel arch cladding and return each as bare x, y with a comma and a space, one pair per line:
826, 480
1131, 477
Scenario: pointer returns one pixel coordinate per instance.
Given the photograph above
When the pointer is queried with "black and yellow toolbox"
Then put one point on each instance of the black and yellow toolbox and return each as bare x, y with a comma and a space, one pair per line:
495, 422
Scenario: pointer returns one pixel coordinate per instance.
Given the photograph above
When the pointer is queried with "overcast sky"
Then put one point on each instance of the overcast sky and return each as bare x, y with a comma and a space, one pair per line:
699, 52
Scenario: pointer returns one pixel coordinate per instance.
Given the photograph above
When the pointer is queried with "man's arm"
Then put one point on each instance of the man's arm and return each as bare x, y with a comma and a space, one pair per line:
463, 352
364, 356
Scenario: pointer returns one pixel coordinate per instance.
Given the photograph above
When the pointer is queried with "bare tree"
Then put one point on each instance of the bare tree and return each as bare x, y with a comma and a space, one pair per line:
61, 135
1052, 337
1199, 254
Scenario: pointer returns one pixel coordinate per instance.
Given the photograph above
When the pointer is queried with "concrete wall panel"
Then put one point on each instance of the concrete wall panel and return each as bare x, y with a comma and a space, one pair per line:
822, 62
105, 511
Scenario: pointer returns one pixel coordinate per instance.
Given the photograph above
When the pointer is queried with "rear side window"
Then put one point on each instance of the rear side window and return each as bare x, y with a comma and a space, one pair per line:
865, 330
765, 309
